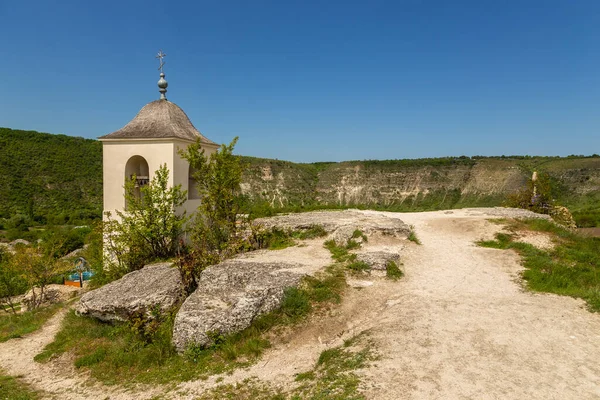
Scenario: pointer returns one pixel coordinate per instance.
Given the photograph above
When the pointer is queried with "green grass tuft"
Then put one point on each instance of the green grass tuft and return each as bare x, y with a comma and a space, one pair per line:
296, 303
312, 232
359, 267
392, 271
359, 234
412, 236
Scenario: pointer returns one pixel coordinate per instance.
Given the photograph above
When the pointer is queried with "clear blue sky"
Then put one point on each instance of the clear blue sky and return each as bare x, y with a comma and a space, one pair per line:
315, 80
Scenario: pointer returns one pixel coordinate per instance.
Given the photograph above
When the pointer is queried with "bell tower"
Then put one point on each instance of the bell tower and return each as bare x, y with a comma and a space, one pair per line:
149, 140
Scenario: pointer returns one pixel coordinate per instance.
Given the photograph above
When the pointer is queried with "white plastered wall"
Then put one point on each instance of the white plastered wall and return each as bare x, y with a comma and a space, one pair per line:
156, 152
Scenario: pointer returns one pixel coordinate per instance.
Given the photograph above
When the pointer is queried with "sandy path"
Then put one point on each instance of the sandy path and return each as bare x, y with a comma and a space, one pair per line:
457, 326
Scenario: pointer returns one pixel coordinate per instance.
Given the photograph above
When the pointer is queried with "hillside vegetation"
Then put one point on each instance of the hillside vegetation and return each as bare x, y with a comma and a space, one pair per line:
58, 179
49, 178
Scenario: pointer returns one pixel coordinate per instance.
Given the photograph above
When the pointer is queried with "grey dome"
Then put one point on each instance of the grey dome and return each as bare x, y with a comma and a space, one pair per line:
159, 119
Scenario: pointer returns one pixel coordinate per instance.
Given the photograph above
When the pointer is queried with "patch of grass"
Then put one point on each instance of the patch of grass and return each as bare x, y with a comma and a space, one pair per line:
341, 253
359, 234
412, 236
338, 253
249, 389
359, 267
352, 244
334, 377
572, 268
392, 271
14, 389
279, 238
296, 303
312, 232
15, 326
327, 287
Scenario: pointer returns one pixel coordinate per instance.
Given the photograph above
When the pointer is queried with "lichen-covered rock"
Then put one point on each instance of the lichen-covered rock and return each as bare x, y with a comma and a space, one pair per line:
378, 260
154, 286
228, 298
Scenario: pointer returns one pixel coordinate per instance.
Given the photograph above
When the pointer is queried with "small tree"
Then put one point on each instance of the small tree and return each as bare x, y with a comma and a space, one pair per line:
215, 230
38, 269
12, 282
151, 226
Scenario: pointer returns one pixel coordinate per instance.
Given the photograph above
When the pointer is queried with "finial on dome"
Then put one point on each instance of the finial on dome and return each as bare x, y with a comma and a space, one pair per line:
162, 82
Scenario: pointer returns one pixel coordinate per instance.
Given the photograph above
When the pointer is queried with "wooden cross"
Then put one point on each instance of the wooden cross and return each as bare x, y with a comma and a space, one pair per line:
160, 56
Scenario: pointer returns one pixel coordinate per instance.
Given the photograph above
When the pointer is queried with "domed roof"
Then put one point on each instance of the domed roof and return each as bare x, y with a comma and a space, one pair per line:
159, 119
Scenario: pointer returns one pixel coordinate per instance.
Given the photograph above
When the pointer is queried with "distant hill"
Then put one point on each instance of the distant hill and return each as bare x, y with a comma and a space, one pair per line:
50, 178
58, 179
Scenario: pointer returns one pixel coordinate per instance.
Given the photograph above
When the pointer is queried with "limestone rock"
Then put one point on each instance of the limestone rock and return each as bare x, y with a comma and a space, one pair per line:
378, 259
228, 298
340, 224
155, 285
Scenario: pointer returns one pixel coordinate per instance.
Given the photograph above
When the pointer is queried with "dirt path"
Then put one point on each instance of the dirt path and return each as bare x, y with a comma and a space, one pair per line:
460, 327
457, 326
58, 379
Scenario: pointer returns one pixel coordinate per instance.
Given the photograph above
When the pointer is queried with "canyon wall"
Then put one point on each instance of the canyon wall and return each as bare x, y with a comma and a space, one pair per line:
414, 184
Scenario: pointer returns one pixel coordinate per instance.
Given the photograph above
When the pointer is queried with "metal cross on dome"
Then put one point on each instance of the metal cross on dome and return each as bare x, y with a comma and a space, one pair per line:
160, 56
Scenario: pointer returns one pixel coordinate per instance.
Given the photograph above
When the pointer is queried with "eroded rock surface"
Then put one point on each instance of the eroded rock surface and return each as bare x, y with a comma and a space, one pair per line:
340, 224
228, 298
155, 285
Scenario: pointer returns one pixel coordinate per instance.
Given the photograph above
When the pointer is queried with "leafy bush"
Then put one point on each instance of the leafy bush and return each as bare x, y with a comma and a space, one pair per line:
150, 228
216, 228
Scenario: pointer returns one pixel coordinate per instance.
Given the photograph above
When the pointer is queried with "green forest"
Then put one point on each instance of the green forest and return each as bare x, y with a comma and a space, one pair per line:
48, 179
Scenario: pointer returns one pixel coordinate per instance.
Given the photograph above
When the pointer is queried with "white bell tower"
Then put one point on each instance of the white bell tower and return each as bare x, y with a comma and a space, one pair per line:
149, 140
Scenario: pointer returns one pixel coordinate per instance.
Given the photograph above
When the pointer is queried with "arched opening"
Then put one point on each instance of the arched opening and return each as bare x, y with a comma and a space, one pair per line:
192, 185
137, 167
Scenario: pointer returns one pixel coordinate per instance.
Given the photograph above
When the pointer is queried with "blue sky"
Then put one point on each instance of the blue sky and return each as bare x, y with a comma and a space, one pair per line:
315, 80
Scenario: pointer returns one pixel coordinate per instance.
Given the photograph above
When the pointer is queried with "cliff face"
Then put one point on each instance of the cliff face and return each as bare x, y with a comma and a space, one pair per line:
413, 184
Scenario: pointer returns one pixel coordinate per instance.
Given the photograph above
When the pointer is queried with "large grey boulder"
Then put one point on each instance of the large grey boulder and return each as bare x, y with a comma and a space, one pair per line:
229, 297
154, 286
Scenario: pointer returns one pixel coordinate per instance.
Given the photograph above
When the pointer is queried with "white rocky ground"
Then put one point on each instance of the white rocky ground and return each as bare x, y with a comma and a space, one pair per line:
458, 326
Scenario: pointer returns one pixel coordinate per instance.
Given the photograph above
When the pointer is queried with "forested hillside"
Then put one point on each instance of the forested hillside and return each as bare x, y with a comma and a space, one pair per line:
49, 178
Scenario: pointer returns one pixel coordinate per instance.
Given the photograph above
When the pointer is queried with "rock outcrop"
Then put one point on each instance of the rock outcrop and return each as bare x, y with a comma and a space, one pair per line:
340, 224
229, 297
155, 285
52, 294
